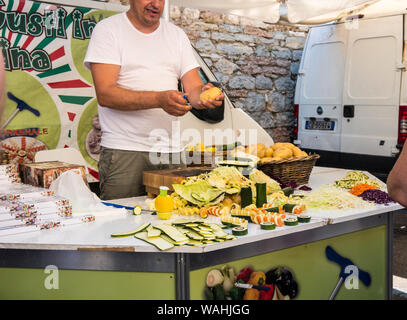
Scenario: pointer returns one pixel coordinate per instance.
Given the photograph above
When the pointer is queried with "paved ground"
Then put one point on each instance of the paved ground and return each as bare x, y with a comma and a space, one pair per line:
400, 255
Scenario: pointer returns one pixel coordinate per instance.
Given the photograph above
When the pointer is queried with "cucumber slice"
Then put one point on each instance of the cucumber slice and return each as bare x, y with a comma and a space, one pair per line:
303, 218
246, 196
261, 195
291, 221
239, 231
158, 242
137, 210
132, 232
267, 225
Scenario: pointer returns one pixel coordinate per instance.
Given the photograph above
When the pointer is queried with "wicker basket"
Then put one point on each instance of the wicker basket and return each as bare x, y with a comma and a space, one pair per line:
288, 170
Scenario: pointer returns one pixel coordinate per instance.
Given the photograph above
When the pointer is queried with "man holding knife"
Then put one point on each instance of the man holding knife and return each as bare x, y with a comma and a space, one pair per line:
136, 60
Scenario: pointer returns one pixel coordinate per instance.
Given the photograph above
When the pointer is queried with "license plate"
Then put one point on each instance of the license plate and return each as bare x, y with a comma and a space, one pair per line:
319, 125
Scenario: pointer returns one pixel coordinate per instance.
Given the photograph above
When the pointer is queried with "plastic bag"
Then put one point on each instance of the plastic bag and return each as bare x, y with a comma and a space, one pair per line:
71, 186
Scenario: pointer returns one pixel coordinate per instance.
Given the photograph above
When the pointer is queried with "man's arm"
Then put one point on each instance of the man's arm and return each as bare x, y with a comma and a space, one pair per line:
112, 96
193, 87
397, 179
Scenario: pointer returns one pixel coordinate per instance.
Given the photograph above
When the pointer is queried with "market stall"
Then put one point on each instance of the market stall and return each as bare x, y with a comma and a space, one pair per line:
91, 264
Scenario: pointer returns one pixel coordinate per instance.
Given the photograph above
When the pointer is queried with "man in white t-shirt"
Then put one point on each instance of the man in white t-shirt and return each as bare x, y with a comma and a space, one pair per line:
137, 60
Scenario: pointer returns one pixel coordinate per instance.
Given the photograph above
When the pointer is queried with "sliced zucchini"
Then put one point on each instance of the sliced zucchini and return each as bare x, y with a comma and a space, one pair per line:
273, 209
291, 221
304, 218
152, 232
137, 210
158, 242
172, 232
288, 191
234, 222
239, 231
194, 243
289, 207
166, 238
132, 232
267, 225
194, 235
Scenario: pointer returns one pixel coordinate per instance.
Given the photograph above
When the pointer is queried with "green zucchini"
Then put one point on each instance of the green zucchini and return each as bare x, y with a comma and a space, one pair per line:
158, 242
267, 226
291, 221
289, 207
194, 235
194, 243
166, 238
172, 232
273, 209
303, 218
239, 231
248, 218
288, 191
132, 232
246, 196
153, 232
261, 194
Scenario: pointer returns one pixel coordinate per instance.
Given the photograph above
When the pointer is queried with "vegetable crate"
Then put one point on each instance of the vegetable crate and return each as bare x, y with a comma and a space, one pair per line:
289, 170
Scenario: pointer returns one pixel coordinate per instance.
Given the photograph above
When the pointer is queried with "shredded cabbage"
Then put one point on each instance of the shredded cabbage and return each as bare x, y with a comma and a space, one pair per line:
332, 198
352, 178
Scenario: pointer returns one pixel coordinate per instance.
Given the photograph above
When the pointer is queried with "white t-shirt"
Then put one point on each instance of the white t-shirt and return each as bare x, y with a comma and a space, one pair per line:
149, 62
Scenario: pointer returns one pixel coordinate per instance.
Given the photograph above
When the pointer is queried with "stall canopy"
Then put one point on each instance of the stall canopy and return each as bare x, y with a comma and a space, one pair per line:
297, 11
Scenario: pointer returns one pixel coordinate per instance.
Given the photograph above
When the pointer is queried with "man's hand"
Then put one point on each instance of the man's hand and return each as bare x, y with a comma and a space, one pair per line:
211, 103
193, 87
173, 103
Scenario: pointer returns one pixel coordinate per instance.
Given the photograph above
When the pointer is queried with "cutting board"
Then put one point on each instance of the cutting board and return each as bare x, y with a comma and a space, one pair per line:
154, 179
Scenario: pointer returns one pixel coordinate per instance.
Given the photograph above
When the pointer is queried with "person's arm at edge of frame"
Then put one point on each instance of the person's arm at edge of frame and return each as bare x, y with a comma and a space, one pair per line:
194, 86
110, 95
397, 179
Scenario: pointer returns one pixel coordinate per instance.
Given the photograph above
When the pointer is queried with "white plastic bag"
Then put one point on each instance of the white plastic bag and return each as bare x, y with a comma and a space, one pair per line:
71, 186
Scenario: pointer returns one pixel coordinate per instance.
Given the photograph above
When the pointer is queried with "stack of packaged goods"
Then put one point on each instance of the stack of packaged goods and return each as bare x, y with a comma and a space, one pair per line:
25, 208
9, 173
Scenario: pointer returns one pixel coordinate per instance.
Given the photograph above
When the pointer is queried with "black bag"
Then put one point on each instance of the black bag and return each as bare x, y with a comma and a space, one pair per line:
210, 115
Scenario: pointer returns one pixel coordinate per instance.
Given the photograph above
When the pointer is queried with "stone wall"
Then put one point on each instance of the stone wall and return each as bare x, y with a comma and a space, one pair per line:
256, 63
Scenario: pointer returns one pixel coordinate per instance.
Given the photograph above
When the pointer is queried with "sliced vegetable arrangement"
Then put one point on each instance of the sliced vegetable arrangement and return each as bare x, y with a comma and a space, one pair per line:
238, 201
191, 232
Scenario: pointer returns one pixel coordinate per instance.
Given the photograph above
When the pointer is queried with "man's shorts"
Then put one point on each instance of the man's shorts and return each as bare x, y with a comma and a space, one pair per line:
121, 171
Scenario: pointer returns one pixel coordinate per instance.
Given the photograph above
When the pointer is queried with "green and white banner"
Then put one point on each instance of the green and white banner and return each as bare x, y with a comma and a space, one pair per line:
49, 96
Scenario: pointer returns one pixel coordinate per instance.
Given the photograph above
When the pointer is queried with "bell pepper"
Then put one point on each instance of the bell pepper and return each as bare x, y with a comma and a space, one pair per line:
257, 278
267, 295
244, 274
251, 294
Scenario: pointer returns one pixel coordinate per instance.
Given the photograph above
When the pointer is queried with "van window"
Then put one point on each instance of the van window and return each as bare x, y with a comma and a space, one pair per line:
324, 71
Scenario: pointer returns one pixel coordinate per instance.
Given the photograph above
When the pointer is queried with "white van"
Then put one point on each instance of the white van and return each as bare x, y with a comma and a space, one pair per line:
351, 93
